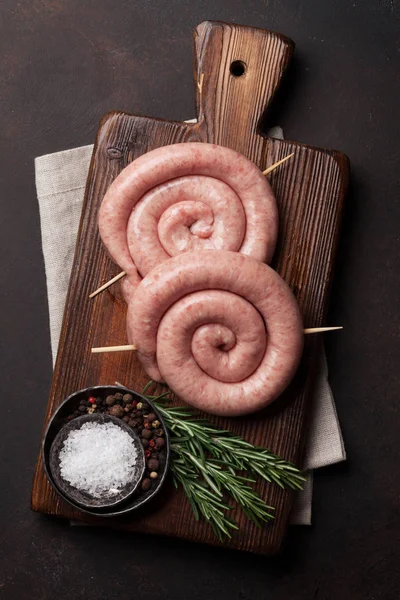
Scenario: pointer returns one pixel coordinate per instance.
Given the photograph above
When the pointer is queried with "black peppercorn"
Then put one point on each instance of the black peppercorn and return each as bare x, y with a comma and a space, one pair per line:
147, 433
116, 411
118, 396
155, 455
153, 464
126, 419
160, 443
82, 408
159, 432
145, 443
146, 484
151, 417
99, 401
110, 400
127, 398
128, 407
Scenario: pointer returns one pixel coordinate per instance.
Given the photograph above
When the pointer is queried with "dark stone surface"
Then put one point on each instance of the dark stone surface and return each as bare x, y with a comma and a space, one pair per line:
64, 64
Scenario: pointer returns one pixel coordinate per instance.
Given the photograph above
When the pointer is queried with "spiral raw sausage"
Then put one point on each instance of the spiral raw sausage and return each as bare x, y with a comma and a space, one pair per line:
222, 329
186, 197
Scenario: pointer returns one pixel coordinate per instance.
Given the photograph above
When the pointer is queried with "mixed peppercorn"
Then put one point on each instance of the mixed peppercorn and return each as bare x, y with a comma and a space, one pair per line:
139, 417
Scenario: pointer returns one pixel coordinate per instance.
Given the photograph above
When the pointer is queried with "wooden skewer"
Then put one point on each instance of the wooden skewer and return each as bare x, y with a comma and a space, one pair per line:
113, 349
106, 285
130, 347
275, 165
320, 329
200, 83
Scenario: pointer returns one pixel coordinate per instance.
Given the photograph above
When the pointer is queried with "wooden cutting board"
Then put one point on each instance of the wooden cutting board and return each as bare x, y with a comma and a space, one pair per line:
237, 71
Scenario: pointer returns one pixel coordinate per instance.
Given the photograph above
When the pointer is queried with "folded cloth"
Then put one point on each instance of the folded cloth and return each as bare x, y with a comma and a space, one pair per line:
60, 184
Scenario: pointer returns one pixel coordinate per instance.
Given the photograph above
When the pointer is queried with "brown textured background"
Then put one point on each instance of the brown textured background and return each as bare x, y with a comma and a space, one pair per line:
62, 66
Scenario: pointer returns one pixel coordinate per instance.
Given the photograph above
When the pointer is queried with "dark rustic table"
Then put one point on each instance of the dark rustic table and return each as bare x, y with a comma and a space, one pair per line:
64, 64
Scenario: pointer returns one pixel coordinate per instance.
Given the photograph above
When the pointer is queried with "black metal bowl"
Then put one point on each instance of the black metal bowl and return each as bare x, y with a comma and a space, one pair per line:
138, 498
109, 499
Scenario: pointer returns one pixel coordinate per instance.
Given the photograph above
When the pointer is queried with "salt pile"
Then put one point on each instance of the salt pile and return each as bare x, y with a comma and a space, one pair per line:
98, 458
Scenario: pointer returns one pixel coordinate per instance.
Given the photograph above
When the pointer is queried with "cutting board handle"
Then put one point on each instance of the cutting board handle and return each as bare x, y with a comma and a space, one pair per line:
237, 71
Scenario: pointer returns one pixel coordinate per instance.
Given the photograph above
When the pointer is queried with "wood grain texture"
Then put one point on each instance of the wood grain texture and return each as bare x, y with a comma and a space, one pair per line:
309, 189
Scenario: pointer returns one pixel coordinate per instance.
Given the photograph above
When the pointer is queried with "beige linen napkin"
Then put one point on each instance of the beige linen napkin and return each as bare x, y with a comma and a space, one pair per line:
60, 185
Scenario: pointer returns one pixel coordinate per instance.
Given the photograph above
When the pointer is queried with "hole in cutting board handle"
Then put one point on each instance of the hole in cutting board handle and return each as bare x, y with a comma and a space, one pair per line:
238, 68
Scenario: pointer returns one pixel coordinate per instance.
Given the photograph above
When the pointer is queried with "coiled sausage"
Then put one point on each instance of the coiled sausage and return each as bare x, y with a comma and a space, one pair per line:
186, 197
222, 329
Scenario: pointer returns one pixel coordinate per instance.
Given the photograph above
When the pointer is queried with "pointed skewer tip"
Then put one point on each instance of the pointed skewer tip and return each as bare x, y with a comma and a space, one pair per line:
320, 329
106, 285
277, 164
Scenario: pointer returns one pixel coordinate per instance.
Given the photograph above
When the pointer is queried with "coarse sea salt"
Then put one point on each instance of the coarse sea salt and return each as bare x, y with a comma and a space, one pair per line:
98, 458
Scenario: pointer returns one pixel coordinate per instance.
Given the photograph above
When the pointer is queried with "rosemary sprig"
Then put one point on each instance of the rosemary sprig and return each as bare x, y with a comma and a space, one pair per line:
208, 462
202, 499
